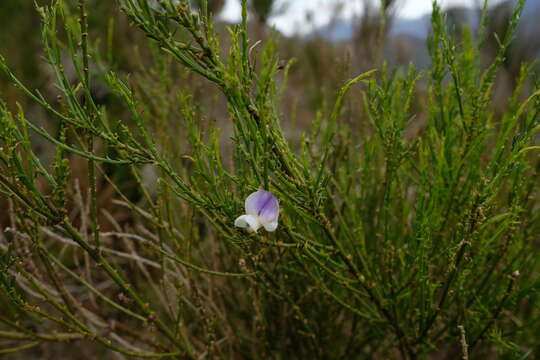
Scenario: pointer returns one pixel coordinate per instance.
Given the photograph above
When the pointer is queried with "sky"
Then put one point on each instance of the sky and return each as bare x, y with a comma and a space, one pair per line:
294, 19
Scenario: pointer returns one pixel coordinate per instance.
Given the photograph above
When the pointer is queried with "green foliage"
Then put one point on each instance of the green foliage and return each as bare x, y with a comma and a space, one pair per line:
396, 231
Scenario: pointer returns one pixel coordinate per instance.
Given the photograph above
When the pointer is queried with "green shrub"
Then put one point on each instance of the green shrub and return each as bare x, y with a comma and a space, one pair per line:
398, 236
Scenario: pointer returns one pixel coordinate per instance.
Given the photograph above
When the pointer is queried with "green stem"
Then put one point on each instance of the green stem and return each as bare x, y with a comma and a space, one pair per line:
83, 17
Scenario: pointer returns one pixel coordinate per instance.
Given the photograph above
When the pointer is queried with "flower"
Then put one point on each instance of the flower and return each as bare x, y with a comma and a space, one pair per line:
262, 209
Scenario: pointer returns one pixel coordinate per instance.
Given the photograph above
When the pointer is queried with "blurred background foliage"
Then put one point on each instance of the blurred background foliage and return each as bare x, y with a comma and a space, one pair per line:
372, 37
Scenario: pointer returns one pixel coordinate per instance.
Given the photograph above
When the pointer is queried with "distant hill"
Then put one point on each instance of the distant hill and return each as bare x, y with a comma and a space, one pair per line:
418, 27
343, 30
407, 36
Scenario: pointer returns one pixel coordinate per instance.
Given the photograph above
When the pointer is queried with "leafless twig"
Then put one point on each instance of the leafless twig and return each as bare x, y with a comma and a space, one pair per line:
463, 342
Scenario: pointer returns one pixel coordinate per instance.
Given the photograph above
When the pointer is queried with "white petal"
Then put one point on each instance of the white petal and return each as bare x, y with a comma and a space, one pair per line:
248, 221
270, 226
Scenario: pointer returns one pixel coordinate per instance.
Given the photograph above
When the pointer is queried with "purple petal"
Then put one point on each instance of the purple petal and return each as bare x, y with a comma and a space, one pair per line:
270, 226
264, 204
